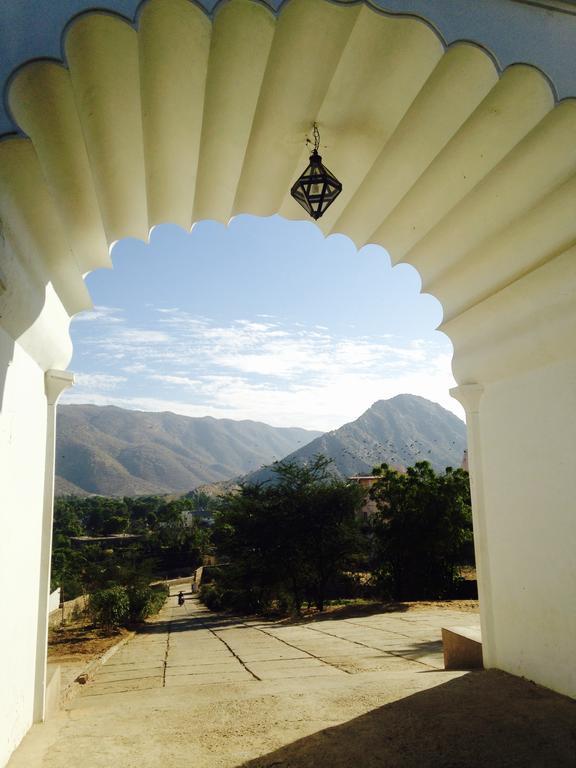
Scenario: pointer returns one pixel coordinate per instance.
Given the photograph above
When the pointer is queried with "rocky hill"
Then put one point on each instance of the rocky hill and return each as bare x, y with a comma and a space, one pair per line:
116, 452
399, 431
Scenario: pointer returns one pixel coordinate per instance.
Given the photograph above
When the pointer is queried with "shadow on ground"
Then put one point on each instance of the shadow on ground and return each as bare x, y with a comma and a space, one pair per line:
347, 612
482, 720
187, 623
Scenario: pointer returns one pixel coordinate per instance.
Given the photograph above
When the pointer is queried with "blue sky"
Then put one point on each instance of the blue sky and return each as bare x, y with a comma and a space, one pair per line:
264, 319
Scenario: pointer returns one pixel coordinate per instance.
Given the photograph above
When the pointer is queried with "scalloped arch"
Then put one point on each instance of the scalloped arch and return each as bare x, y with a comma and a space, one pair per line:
446, 161
274, 8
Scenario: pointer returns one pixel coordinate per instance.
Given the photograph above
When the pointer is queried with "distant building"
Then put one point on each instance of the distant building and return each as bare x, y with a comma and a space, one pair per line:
464, 464
369, 507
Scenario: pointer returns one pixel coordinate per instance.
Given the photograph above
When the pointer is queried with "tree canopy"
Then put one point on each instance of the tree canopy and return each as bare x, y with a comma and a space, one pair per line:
168, 539
423, 529
286, 541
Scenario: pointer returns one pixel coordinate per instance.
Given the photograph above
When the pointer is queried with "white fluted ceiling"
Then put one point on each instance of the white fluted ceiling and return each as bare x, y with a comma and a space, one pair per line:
466, 173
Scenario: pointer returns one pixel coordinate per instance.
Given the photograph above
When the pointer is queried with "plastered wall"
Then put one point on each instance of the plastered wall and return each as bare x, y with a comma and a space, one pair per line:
22, 454
528, 436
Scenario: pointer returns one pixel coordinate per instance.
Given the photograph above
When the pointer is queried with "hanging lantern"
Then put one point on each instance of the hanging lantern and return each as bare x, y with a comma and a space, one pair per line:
317, 188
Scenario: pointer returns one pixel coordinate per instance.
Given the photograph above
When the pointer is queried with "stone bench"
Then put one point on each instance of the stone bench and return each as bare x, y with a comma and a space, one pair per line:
462, 647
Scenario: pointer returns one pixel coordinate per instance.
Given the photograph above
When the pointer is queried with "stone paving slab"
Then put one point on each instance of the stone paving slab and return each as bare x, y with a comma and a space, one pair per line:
385, 663
197, 660
203, 669
121, 686
299, 672
136, 652
215, 678
129, 674
287, 663
317, 644
193, 653
114, 665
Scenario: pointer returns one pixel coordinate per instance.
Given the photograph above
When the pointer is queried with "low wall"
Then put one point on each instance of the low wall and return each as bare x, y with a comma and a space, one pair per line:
67, 610
195, 577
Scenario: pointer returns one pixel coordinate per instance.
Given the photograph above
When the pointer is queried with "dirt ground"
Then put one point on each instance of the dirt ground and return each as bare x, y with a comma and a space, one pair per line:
79, 640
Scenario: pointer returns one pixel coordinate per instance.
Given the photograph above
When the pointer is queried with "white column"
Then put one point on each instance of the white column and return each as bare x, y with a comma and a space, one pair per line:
55, 382
470, 395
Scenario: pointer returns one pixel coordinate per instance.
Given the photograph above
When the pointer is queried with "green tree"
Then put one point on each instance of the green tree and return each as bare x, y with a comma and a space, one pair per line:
422, 531
166, 542
201, 504
67, 563
288, 540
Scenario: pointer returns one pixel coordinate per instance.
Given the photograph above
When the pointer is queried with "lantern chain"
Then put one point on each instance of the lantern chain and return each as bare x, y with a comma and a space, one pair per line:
316, 137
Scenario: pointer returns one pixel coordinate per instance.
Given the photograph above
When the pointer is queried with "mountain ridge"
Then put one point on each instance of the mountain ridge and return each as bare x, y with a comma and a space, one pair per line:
112, 451
399, 431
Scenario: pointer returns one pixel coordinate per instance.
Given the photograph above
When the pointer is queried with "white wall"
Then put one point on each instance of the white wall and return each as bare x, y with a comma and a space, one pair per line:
22, 455
528, 436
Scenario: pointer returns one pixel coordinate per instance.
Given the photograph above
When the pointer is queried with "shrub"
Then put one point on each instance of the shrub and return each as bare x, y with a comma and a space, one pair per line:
211, 596
109, 607
118, 606
146, 601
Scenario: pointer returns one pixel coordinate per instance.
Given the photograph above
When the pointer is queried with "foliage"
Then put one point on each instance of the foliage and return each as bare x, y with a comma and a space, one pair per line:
212, 597
109, 608
423, 529
146, 601
168, 541
201, 503
280, 544
118, 606
287, 541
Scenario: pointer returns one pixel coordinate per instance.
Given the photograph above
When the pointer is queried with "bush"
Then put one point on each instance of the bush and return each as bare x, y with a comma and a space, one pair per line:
109, 607
146, 601
211, 596
118, 606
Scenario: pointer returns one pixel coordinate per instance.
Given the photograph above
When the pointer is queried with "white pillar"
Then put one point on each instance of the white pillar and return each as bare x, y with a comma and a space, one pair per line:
55, 382
470, 395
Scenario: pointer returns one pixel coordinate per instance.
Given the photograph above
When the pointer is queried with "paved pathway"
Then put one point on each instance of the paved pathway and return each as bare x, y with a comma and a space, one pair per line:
189, 645
209, 691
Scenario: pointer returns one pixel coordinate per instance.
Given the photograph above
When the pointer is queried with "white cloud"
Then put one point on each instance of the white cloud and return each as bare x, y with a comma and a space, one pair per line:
101, 313
146, 404
178, 381
97, 381
141, 336
283, 374
135, 368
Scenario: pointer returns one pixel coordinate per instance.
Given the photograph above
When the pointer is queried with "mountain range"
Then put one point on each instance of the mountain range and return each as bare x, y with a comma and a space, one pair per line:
116, 452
